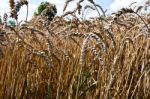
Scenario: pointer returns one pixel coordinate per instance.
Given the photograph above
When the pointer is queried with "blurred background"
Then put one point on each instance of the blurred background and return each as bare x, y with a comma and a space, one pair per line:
110, 5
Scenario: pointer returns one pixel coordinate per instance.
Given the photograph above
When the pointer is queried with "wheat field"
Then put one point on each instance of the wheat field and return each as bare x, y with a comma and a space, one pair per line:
103, 58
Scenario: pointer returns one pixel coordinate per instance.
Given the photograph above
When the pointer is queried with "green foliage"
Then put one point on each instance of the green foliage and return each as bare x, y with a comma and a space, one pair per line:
46, 9
11, 23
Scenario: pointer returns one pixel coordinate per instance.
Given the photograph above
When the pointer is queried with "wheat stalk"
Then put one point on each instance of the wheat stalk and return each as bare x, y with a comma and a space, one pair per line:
11, 4
66, 4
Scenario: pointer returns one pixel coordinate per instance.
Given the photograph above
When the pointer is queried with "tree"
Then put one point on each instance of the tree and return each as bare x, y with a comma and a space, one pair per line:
46, 9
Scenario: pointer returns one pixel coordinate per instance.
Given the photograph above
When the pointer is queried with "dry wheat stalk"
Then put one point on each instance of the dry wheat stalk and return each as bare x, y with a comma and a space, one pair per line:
11, 4
17, 7
78, 8
84, 50
5, 17
99, 40
96, 5
139, 9
90, 37
90, 7
66, 4
129, 10
132, 4
110, 34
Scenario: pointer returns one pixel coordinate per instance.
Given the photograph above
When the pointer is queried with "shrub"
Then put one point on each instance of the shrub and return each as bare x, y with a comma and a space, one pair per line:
11, 22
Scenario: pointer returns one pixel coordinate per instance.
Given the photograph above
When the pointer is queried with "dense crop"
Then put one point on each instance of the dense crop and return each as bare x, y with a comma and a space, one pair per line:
102, 58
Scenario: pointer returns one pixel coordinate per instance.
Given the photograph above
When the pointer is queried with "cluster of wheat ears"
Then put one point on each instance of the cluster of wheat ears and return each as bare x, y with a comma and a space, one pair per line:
107, 57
